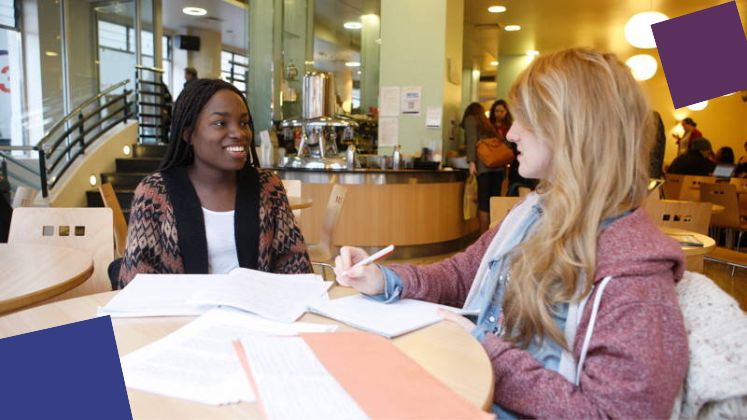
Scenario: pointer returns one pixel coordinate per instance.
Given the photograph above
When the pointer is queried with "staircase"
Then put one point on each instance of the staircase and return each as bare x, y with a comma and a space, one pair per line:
144, 161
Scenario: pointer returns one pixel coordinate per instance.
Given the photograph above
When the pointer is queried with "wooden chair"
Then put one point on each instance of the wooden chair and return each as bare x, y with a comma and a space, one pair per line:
731, 258
293, 189
120, 224
691, 186
24, 197
90, 229
672, 186
321, 252
524, 191
725, 195
687, 215
499, 208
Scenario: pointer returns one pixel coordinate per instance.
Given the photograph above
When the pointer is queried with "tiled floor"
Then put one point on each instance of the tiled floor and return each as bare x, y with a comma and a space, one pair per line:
720, 274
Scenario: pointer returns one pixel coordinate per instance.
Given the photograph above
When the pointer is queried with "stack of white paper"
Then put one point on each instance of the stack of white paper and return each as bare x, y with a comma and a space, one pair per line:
198, 361
281, 297
293, 384
387, 319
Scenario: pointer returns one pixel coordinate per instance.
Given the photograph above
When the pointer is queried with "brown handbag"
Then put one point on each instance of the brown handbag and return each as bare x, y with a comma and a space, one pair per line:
494, 153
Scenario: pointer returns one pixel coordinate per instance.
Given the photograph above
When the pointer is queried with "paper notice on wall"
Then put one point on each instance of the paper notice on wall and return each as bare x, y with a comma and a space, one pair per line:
389, 101
411, 100
433, 116
388, 131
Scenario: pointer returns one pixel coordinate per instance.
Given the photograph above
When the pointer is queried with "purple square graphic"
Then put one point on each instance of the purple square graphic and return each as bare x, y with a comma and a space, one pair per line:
704, 54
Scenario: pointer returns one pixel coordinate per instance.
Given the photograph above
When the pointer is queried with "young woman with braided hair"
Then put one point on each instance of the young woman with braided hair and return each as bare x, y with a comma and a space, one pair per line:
210, 208
575, 290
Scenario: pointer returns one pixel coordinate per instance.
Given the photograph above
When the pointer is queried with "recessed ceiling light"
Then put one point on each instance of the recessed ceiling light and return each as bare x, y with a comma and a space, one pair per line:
494, 63
643, 66
638, 31
194, 11
51, 53
497, 9
353, 64
352, 25
533, 53
512, 28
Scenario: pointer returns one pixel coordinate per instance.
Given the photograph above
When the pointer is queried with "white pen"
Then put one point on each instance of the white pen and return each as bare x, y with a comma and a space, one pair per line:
373, 257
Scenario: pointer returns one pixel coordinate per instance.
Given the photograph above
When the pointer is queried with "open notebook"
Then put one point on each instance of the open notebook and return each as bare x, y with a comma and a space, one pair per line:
279, 297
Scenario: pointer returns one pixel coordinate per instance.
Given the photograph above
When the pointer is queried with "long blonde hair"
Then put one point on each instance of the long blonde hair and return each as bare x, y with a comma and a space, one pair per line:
592, 114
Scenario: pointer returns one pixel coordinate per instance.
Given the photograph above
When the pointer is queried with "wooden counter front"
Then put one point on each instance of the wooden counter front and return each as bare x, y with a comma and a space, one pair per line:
401, 214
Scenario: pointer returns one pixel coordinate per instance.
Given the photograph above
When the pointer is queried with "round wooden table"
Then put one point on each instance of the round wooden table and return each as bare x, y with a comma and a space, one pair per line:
444, 349
33, 273
693, 254
297, 203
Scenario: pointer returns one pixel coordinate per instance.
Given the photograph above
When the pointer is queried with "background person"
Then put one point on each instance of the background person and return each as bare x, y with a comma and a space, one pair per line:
580, 238
209, 208
190, 75
696, 161
691, 133
477, 127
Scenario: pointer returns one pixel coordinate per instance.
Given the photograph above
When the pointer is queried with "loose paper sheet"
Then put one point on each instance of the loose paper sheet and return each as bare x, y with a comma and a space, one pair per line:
280, 297
411, 100
433, 116
198, 362
389, 101
293, 384
387, 319
388, 131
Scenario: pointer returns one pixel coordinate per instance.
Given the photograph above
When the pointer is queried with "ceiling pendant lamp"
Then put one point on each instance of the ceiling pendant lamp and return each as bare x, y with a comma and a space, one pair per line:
643, 66
638, 31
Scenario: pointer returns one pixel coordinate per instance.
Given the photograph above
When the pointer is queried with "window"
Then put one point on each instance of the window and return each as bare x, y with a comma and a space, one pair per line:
233, 68
8, 14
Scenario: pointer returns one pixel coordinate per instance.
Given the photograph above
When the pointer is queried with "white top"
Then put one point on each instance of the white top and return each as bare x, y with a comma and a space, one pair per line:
221, 242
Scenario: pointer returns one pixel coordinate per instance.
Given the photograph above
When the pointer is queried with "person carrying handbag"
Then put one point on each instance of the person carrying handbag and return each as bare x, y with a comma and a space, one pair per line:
479, 134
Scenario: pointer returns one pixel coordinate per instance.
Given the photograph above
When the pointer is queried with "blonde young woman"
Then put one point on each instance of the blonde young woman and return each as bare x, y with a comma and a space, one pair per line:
575, 289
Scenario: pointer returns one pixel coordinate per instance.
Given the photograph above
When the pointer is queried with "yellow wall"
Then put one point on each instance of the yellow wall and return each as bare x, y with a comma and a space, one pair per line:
71, 191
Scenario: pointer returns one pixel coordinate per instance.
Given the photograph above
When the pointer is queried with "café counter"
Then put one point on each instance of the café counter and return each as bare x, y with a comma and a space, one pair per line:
419, 211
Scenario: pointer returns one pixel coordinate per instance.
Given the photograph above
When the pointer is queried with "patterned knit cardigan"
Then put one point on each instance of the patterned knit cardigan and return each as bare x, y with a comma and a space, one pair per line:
153, 243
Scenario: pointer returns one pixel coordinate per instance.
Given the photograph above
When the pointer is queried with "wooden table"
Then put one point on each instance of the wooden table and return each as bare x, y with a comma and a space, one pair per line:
32, 273
693, 254
297, 203
444, 349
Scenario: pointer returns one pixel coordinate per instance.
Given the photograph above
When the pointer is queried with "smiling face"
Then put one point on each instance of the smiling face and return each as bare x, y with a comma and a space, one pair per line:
221, 135
534, 154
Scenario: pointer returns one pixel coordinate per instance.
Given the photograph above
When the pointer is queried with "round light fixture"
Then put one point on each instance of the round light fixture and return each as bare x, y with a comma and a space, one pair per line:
698, 106
494, 63
533, 53
126, 150
512, 28
497, 9
352, 25
638, 31
643, 66
194, 11
92, 180
353, 64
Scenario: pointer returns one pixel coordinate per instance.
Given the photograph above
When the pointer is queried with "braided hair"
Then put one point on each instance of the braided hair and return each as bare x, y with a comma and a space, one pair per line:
186, 109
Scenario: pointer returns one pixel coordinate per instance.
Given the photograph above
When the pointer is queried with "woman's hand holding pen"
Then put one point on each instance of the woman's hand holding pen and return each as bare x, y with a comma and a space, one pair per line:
367, 279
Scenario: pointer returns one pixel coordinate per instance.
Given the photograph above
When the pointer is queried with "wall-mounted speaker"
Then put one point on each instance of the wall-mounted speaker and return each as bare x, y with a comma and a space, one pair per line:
188, 42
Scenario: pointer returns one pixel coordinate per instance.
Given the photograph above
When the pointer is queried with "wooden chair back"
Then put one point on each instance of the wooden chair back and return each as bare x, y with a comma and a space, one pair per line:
293, 189
687, 215
24, 197
524, 191
672, 186
691, 186
90, 229
120, 224
740, 183
725, 195
499, 208
322, 251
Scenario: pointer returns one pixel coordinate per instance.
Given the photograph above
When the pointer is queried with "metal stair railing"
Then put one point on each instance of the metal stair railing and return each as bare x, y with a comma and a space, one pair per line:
154, 103
69, 138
